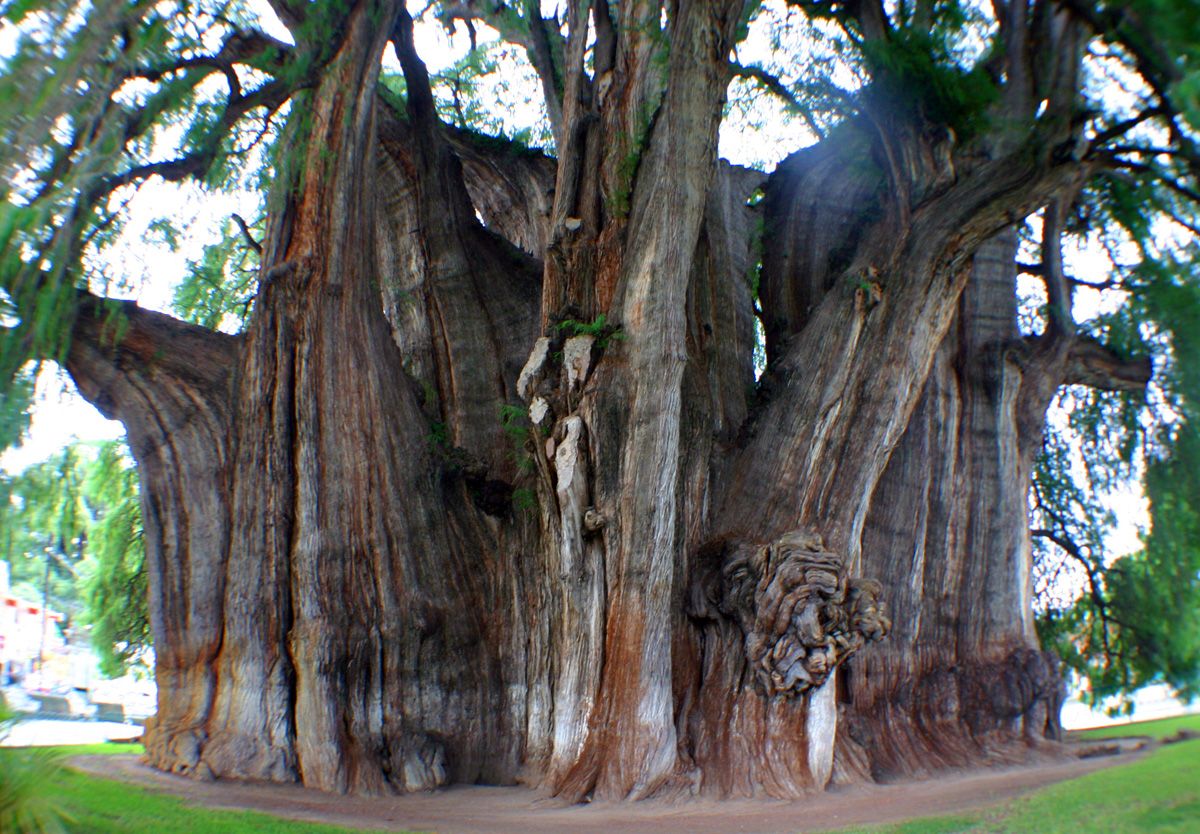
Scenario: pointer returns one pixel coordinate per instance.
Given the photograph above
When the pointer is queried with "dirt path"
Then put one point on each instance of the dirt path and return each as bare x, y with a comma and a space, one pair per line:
480, 810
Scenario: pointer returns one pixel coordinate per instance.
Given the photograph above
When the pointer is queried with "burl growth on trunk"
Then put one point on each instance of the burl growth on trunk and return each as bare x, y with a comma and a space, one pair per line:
801, 613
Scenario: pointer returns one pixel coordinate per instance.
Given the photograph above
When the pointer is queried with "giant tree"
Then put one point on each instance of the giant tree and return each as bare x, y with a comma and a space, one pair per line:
486, 489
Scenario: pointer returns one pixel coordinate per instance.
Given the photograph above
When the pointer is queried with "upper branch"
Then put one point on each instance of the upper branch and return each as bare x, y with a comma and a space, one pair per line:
292, 13
1058, 287
528, 29
773, 84
154, 373
1091, 363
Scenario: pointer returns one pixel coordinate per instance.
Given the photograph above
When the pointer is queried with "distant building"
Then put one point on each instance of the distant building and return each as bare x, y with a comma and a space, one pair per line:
21, 632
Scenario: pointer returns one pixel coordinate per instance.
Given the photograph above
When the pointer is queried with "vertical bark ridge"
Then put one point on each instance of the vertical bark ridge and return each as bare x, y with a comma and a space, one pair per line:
631, 748
970, 683
362, 620
479, 292
169, 383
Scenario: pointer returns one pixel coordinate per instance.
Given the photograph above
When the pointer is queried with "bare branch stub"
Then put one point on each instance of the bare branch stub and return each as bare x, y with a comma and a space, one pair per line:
800, 611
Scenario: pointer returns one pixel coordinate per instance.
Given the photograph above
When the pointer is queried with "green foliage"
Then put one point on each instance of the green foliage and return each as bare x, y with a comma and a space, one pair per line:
44, 527
600, 328
116, 589
917, 69
1132, 622
438, 436
95, 98
1136, 623
1169, 29
75, 520
515, 422
524, 499
15, 405
1155, 594
218, 290
28, 803
514, 419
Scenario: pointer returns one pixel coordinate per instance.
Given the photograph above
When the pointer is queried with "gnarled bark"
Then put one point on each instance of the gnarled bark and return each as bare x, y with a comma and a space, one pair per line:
433, 519
169, 384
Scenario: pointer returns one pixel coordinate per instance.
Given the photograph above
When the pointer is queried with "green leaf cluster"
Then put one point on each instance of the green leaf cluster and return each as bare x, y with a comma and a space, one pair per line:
94, 99
599, 328
218, 290
918, 70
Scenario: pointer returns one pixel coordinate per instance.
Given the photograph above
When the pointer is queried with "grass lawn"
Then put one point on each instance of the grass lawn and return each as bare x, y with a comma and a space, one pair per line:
1158, 729
1157, 795
103, 806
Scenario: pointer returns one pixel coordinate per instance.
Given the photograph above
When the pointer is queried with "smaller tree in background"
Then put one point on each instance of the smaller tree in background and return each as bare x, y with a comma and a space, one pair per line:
71, 527
1137, 620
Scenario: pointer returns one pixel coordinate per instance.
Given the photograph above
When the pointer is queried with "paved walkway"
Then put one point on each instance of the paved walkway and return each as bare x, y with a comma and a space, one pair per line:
35, 732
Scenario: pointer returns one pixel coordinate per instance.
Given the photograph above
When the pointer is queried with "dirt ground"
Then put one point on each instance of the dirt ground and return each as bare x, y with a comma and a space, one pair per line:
514, 810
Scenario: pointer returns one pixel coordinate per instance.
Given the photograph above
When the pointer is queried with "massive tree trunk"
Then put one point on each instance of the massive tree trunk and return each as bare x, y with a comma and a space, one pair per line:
432, 519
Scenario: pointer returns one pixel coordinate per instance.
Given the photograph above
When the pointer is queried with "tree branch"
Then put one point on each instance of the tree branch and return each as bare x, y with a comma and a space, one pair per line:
1123, 127
1093, 364
271, 95
1170, 182
1058, 289
1095, 584
112, 341
250, 241
774, 85
1122, 24
291, 13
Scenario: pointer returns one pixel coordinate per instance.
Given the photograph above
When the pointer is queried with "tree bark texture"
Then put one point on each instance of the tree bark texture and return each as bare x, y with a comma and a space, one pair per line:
431, 519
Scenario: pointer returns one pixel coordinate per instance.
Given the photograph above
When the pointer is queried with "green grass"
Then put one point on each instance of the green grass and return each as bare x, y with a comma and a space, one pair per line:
1159, 794
94, 805
1161, 728
102, 806
103, 748
930, 825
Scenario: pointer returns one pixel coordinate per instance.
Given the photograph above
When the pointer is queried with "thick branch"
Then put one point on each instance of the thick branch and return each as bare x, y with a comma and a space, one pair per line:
291, 13
1058, 288
120, 353
1091, 363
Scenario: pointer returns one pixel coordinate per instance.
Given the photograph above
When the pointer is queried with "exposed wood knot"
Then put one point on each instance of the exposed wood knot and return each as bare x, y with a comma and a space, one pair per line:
868, 295
593, 521
534, 369
279, 271
802, 615
577, 359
